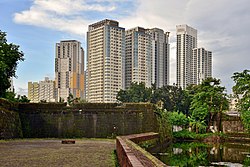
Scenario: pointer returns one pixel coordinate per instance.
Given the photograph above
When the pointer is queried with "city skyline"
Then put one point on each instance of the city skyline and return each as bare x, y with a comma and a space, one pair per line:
37, 25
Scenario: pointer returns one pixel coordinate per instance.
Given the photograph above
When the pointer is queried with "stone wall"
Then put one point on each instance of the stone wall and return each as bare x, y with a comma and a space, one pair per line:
10, 125
88, 120
232, 124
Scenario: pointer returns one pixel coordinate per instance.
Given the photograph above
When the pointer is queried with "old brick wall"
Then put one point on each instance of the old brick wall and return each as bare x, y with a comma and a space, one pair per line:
88, 120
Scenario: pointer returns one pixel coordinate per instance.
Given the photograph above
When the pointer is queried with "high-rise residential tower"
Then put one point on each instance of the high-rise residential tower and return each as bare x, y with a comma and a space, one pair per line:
106, 61
201, 67
47, 90
186, 42
160, 57
33, 92
69, 69
138, 66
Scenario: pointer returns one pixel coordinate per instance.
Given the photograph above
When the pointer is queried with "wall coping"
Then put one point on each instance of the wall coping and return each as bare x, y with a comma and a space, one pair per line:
132, 155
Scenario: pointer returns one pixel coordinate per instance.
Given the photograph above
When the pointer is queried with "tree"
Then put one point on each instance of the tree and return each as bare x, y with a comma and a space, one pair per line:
136, 93
11, 96
173, 98
242, 92
9, 59
208, 101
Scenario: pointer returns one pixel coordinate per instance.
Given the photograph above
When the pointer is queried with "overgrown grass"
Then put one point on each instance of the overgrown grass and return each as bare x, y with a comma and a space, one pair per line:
185, 134
115, 159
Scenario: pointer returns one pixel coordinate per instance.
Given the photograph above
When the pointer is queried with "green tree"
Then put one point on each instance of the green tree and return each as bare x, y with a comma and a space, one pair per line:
22, 99
242, 92
173, 98
208, 102
136, 93
9, 59
11, 96
178, 119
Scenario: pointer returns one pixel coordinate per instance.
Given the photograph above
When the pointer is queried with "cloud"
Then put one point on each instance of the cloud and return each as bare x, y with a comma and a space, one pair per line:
63, 15
21, 91
222, 28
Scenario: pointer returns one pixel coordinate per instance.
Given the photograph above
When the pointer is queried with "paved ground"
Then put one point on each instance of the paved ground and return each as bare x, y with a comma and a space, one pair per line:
51, 153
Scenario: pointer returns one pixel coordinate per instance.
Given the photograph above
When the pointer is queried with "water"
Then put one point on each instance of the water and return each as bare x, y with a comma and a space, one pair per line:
201, 154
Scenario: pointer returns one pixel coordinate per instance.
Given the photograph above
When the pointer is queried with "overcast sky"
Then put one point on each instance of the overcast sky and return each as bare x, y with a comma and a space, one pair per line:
36, 25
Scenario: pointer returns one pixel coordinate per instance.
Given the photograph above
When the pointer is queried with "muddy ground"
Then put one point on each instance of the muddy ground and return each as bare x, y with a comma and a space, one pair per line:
51, 153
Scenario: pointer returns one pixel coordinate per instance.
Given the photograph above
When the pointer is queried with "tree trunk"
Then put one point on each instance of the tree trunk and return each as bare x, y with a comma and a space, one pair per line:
219, 119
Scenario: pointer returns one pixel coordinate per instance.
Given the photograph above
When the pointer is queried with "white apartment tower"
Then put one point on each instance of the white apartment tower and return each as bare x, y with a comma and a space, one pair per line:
47, 90
160, 57
186, 42
106, 61
69, 70
138, 64
201, 67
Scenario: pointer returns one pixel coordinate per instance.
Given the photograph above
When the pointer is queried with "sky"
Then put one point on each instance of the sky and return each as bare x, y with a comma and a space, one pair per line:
37, 25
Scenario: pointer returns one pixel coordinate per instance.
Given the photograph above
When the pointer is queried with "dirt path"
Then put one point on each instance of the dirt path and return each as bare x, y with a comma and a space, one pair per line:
51, 153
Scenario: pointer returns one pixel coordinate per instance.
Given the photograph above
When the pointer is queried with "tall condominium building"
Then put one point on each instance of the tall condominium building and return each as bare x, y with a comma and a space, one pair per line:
201, 67
106, 59
186, 42
41, 91
160, 56
138, 66
47, 90
33, 92
69, 70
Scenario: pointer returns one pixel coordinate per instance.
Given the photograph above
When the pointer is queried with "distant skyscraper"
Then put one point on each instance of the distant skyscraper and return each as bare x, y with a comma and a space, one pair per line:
201, 65
33, 92
106, 60
47, 90
69, 69
138, 66
186, 42
160, 56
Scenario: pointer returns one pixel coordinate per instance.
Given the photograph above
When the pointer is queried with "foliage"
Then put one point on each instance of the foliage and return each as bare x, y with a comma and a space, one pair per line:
242, 92
9, 58
137, 92
173, 98
178, 119
12, 97
208, 100
165, 129
185, 134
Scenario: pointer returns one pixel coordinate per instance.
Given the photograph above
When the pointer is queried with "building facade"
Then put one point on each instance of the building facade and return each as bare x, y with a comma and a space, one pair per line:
160, 57
106, 61
33, 92
186, 42
201, 67
69, 70
138, 61
47, 90
42, 91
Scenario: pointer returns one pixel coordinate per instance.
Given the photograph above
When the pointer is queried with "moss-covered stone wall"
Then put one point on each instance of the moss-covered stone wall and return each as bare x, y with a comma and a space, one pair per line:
10, 124
86, 120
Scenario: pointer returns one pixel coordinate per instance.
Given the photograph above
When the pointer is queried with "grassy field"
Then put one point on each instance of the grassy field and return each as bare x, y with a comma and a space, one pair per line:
50, 152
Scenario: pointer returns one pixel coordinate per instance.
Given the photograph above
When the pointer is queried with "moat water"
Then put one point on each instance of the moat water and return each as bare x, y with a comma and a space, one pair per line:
188, 154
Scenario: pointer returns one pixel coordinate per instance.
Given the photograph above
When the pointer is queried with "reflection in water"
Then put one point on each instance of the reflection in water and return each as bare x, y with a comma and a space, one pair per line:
201, 154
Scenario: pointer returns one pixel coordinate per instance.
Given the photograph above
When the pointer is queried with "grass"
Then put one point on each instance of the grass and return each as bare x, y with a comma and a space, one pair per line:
185, 134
